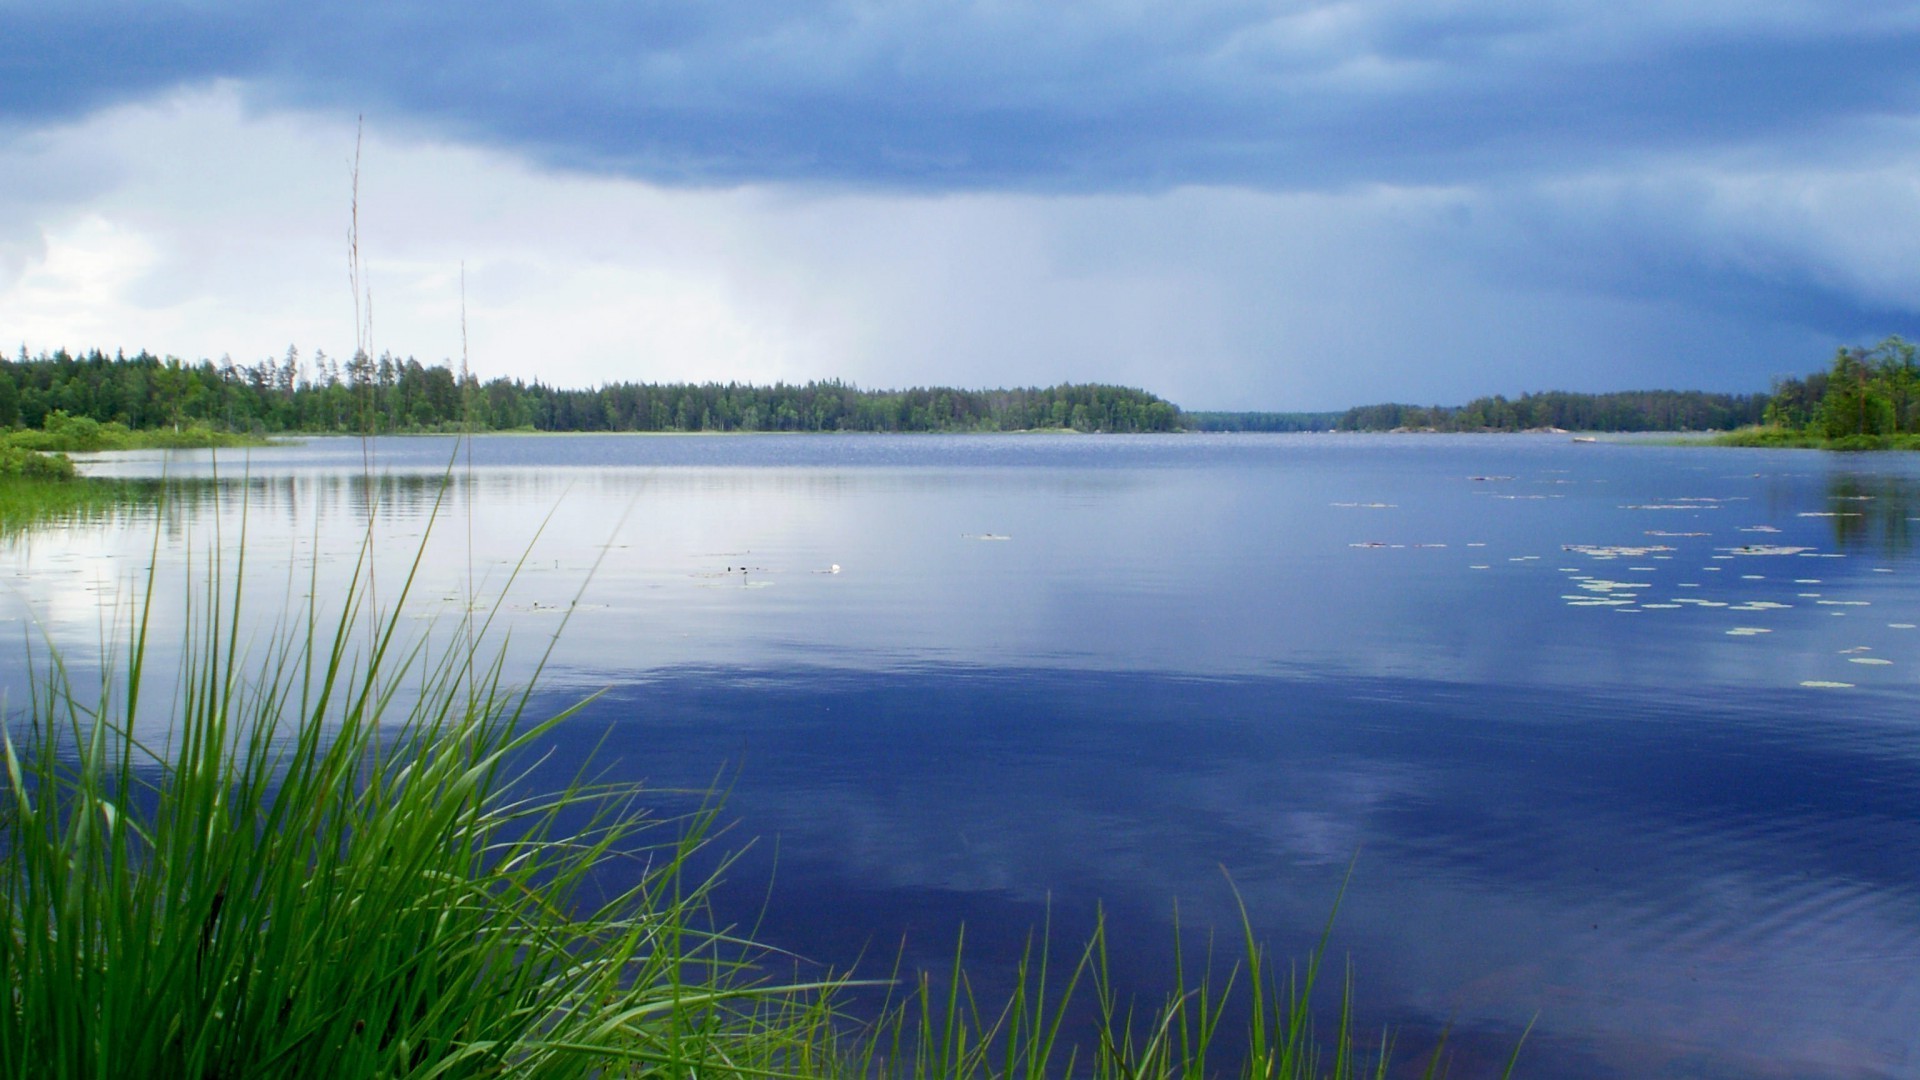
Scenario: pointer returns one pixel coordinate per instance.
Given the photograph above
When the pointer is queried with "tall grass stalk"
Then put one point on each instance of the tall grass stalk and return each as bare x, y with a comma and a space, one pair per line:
931, 1031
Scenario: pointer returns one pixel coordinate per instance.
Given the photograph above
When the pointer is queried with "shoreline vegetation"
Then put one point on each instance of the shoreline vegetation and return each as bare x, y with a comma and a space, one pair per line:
1867, 399
1870, 399
326, 853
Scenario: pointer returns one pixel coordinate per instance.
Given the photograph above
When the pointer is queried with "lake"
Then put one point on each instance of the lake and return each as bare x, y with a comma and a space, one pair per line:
1621, 736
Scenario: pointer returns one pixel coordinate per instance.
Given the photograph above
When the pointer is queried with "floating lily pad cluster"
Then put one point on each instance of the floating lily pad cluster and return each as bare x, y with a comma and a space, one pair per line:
1632, 593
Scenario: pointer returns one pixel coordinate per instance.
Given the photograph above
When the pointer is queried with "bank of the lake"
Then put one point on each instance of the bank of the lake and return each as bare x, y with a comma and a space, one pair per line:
1766, 437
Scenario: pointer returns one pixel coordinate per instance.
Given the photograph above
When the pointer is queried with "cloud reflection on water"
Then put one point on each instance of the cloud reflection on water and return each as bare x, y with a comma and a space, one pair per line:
1678, 882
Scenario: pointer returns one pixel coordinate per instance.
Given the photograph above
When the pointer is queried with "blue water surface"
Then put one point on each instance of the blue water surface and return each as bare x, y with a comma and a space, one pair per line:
1618, 739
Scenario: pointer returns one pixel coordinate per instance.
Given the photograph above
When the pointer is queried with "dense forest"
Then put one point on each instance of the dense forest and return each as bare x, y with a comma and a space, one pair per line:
388, 394
1637, 410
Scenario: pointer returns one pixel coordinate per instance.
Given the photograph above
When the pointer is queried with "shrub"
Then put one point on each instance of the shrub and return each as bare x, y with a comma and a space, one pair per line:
18, 463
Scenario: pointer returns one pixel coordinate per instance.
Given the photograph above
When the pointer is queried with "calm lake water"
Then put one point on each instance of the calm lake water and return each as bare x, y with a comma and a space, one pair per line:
1624, 735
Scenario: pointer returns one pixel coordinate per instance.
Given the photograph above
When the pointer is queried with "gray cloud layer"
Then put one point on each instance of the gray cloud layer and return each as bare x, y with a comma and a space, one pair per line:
1301, 204
1070, 96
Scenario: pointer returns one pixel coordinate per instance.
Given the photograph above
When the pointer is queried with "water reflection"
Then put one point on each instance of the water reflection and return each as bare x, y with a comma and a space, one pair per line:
87, 503
1677, 886
1875, 511
1552, 693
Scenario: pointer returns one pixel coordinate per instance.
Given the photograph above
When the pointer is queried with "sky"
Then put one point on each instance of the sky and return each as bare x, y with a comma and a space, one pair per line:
1284, 205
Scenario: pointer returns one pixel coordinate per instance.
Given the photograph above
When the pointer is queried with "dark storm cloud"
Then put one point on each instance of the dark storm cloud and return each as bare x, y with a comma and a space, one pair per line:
1067, 97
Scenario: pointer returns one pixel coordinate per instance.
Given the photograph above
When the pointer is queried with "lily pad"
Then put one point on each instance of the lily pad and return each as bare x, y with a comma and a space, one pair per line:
1610, 551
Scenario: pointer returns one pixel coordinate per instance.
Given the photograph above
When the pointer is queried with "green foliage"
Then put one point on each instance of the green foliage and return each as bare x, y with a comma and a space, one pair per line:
19, 463
1639, 410
1393, 417
62, 433
388, 394
1795, 402
1855, 410
1259, 421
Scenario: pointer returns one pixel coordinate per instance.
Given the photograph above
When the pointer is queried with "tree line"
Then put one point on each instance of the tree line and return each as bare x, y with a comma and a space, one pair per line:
1259, 421
1868, 392
321, 394
1634, 410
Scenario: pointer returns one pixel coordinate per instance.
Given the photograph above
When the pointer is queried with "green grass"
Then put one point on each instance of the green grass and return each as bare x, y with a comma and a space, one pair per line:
316, 852
1779, 437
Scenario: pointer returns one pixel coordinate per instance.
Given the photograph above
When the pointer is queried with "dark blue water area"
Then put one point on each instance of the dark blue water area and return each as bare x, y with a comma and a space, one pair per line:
1672, 885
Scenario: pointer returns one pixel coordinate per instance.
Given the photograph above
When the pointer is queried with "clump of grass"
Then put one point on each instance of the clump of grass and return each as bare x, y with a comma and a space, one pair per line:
312, 861
19, 463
